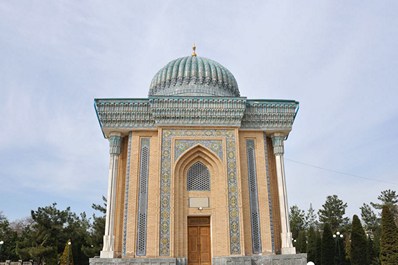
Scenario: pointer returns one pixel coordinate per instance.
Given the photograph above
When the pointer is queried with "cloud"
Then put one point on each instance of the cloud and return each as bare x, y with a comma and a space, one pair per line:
337, 59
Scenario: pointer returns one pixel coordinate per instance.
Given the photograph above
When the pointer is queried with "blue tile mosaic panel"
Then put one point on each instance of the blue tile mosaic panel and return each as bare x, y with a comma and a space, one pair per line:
182, 145
165, 184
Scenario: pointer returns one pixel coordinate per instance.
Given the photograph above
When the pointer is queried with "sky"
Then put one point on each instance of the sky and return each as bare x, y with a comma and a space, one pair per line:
339, 59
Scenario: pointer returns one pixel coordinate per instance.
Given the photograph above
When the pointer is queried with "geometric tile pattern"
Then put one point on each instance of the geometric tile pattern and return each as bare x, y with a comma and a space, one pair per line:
254, 213
182, 145
143, 198
126, 194
165, 184
233, 111
198, 178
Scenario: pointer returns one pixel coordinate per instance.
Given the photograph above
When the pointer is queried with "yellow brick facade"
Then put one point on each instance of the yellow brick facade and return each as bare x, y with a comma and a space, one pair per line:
179, 207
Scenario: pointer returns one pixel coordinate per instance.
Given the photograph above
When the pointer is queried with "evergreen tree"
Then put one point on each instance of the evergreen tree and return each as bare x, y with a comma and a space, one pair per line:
311, 218
369, 218
301, 245
390, 199
318, 252
347, 247
389, 238
67, 256
376, 247
358, 243
373, 260
297, 220
44, 239
78, 230
311, 245
333, 213
9, 237
327, 255
96, 233
36, 242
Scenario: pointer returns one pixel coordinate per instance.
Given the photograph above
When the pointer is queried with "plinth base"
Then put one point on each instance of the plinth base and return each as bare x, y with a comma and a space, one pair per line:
294, 259
288, 251
106, 254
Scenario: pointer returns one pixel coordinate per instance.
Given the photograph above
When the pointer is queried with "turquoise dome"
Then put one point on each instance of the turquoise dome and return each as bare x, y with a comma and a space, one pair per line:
194, 76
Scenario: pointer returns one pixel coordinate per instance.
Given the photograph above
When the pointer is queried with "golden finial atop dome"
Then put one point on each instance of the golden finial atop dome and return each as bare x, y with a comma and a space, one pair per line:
194, 50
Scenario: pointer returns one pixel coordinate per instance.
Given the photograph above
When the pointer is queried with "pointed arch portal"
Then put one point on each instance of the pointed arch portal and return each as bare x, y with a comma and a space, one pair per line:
196, 171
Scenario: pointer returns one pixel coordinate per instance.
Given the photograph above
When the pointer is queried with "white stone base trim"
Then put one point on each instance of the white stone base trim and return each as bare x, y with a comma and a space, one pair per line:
291, 250
107, 250
106, 254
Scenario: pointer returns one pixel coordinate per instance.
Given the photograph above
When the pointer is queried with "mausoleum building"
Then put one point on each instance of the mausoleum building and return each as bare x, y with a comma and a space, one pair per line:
196, 172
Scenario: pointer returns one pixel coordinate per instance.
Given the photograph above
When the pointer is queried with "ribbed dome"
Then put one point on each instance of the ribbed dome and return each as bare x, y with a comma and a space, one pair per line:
194, 76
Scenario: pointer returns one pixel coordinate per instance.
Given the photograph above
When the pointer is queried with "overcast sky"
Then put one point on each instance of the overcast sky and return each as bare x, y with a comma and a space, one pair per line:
339, 59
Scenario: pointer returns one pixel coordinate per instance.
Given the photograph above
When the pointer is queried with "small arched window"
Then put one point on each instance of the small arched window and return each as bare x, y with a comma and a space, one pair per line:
198, 178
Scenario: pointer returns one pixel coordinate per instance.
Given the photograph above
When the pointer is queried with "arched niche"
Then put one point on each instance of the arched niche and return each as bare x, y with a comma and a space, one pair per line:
217, 195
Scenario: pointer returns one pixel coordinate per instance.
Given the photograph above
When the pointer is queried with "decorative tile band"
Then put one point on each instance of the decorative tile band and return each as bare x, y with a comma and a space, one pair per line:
182, 145
216, 111
268, 179
165, 185
269, 114
253, 194
277, 115
143, 198
126, 195
124, 113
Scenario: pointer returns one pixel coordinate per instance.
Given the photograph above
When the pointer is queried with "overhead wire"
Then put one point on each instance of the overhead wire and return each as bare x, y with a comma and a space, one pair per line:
340, 172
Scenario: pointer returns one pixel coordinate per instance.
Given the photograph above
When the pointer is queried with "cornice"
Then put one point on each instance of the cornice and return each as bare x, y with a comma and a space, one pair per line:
149, 113
119, 114
270, 115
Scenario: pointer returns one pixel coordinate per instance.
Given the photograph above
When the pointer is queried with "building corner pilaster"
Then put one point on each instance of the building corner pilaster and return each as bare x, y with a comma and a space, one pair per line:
115, 139
286, 236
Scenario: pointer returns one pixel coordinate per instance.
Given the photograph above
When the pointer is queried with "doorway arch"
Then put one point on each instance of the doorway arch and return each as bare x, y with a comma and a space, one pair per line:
216, 196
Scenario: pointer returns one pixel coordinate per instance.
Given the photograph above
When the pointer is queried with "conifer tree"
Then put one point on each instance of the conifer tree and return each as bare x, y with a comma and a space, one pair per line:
44, 240
311, 218
301, 245
389, 238
347, 247
318, 252
297, 220
390, 199
333, 212
369, 218
327, 255
376, 247
311, 245
373, 260
67, 257
9, 238
359, 244
95, 236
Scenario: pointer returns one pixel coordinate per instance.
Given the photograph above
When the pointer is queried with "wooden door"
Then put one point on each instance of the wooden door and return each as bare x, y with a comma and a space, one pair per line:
199, 249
